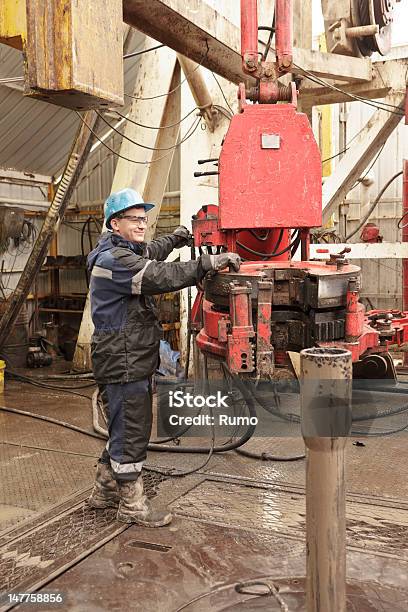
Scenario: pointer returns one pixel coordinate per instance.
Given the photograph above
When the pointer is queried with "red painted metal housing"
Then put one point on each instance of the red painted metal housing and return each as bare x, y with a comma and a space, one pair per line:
270, 170
229, 334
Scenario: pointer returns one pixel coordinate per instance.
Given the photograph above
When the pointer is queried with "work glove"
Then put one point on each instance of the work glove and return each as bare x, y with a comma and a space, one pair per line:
184, 237
224, 260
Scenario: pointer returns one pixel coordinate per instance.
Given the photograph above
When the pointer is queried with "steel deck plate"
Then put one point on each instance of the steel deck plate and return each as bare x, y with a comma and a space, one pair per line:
378, 529
30, 558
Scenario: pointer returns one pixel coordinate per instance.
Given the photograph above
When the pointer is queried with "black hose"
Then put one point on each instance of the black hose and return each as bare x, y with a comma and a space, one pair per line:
278, 241
273, 254
41, 417
294, 418
373, 205
267, 456
40, 383
171, 472
69, 376
260, 238
217, 449
296, 244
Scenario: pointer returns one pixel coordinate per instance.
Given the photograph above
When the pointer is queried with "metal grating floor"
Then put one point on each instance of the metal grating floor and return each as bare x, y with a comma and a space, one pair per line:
237, 519
370, 527
194, 566
28, 559
375, 469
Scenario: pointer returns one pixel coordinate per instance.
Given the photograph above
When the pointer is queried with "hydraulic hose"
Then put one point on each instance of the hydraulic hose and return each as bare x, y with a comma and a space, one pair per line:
274, 253
41, 417
294, 418
373, 205
266, 456
217, 449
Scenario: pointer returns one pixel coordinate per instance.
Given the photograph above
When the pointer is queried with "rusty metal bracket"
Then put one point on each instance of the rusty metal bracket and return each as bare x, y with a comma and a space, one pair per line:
264, 350
240, 357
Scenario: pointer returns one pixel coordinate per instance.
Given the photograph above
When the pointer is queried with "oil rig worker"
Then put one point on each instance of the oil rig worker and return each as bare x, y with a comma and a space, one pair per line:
126, 273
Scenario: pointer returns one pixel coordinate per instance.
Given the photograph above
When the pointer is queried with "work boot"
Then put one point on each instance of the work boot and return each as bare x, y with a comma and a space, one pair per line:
134, 507
105, 493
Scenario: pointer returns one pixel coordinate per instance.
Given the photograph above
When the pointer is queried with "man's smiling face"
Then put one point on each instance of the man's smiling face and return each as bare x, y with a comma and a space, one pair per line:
131, 225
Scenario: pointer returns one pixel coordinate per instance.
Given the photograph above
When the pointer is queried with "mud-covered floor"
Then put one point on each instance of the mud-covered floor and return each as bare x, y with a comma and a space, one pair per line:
236, 520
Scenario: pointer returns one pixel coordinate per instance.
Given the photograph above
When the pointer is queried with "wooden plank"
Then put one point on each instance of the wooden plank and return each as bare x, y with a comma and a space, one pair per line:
302, 24
66, 52
13, 28
7, 175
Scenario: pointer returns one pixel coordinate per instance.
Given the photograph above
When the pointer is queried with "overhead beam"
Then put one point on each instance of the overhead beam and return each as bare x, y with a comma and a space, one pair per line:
361, 153
26, 178
199, 32
188, 27
328, 65
388, 75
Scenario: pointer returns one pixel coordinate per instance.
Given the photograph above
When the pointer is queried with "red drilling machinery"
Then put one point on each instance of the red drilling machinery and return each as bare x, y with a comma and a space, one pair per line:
270, 195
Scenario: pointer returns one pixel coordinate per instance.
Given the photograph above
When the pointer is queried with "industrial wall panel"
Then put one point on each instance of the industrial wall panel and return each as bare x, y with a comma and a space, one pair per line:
382, 280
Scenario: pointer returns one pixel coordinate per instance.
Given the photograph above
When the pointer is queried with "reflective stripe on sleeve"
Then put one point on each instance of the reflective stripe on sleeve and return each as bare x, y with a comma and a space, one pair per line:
137, 280
101, 272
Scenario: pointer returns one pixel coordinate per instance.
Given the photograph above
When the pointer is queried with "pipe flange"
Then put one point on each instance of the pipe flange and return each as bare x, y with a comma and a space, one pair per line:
374, 12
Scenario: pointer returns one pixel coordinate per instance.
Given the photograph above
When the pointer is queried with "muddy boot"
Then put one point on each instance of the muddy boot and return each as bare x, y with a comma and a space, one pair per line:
134, 507
105, 492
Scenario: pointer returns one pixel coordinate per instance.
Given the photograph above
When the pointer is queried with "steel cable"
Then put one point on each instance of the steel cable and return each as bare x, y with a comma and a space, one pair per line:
373, 205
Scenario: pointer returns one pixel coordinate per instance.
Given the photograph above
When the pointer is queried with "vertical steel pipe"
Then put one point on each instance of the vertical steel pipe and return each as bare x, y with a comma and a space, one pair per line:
326, 377
284, 33
249, 35
405, 232
405, 239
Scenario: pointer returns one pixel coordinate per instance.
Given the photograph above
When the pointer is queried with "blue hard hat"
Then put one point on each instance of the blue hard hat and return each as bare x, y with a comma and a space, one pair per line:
120, 201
